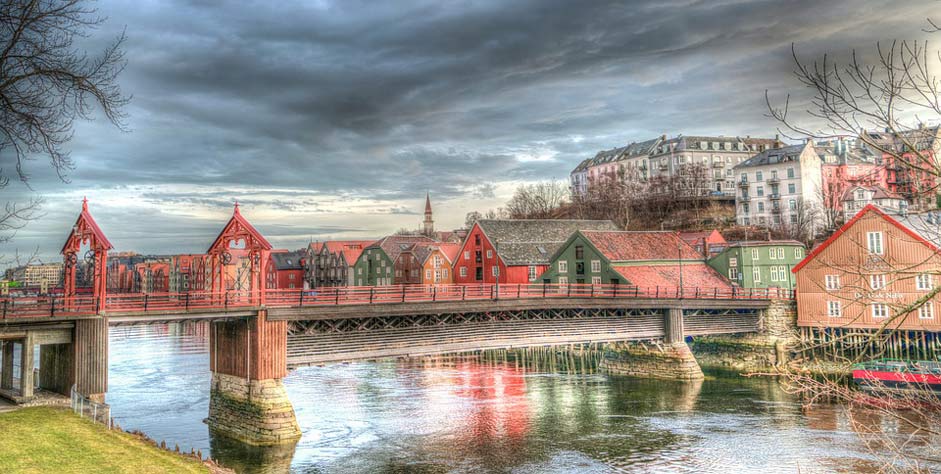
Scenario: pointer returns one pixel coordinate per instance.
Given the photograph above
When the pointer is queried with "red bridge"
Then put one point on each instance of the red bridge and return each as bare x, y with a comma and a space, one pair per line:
257, 334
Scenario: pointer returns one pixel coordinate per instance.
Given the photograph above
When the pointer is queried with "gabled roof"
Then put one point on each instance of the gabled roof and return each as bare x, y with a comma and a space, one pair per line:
630, 246
237, 222
350, 250
764, 243
394, 245
449, 250
86, 220
534, 241
694, 275
926, 235
878, 193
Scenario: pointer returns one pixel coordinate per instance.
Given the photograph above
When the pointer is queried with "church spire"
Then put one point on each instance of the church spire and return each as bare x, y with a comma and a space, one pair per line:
429, 223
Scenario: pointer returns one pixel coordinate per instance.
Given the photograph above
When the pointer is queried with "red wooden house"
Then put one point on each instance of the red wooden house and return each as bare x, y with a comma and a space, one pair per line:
286, 270
515, 250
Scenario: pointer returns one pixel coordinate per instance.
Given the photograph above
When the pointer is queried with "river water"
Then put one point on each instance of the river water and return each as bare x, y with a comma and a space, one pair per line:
530, 412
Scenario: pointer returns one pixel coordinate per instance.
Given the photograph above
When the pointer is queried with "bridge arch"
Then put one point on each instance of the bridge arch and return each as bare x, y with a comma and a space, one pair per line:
86, 231
239, 247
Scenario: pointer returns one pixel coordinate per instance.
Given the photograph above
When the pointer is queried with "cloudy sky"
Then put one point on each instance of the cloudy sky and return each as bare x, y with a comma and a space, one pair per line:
330, 119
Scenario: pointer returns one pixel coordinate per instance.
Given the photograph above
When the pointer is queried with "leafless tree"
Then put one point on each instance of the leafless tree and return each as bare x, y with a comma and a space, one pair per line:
883, 99
805, 224
46, 83
537, 201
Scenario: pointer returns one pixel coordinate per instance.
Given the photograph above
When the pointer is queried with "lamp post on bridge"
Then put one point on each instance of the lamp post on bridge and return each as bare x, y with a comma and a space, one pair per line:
496, 251
679, 255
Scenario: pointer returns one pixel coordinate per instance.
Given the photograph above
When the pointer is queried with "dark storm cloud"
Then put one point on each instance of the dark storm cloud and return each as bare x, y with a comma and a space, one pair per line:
386, 100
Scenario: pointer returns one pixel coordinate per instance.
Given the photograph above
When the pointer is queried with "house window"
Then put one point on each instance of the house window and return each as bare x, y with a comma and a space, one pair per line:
437, 261
875, 242
833, 309
790, 172
761, 190
444, 272
733, 273
579, 252
832, 282
477, 239
798, 252
467, 255
463, 271
923, 281
758, 177
596, 266
773, 254
437, 275
791, 188
780, 253
756, 274
388, 270
880, 311
761, 207
489, 253
595, 280
774, 273
754, 254
563, 266
733, 262
532, 272
359, 271
877, 282
562, 282
428, 274
495, 270
926, 311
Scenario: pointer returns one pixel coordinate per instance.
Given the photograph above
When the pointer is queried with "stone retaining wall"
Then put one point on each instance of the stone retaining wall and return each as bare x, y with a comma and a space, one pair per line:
756, 352
253, 411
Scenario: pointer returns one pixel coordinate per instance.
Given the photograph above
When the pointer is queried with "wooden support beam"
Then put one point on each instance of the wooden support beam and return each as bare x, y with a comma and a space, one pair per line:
673, 324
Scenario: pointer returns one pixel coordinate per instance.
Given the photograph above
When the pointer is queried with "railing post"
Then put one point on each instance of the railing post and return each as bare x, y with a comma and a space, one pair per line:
658, 292
5, 302
145, 301
543, 289
434, 293
592, 291
52, 306
97, 303
372, 291
337, 301
568, 290
463, 292
301, 299
519, 287
186, 301
226, 300
403, 293
616, 291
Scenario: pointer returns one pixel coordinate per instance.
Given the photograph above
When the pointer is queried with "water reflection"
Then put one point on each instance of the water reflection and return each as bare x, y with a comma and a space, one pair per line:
530, 411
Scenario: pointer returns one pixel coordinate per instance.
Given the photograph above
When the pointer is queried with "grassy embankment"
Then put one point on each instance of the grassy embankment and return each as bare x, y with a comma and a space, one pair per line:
43, 440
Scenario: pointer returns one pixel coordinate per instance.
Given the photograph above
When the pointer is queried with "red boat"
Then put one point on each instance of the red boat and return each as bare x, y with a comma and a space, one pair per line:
898, 374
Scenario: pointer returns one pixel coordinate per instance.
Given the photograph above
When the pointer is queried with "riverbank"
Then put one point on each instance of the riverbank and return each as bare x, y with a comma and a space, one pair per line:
44, 439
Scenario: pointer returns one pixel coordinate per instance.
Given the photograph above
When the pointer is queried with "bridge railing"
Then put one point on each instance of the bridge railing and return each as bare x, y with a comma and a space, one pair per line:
58, 305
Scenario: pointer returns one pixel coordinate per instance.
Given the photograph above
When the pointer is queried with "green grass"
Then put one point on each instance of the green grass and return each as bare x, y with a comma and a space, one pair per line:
43, 440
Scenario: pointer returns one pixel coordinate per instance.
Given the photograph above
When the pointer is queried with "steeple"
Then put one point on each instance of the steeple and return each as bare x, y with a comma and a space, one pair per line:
429, 223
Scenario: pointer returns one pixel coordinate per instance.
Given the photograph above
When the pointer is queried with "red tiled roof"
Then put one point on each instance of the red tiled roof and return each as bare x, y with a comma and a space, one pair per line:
450, 250
621, 246
349, 249
695, 275
712, 237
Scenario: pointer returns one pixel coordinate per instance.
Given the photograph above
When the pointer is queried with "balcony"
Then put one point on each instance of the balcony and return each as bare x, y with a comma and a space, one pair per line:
776, 209
743, 184
774, 197
774, 180
744, 198
718, 164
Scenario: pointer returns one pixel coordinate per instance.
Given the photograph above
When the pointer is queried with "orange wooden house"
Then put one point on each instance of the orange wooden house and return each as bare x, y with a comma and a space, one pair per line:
437, 262
875, 271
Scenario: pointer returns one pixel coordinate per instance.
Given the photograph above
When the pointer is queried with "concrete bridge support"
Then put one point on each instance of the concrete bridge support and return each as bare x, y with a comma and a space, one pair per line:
670, 359
762, 351
248, 359
90, 359
56, 371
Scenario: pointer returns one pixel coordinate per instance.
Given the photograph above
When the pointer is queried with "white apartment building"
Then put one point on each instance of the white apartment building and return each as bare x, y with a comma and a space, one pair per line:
664, 157
776, 185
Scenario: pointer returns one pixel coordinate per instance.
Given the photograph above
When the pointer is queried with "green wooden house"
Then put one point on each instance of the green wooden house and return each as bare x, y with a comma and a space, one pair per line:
643, 259
760, 264
390, 261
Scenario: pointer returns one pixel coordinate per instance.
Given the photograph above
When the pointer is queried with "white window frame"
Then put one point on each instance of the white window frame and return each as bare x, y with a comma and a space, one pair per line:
875, 243
463, 271
774, 273
595, 280
495, 270
733, 273
926, 311
923, 282
832, 282
733, 262
877, 282
563, 266
563, 282
596, 266
880, 310
427, 274
532, 273
754, 255
834, 309
798, 252
756, 274
780, 253
489, 253
467, 255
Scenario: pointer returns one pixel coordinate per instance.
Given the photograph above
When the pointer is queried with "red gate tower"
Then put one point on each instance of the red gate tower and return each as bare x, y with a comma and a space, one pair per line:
86, 232
238, 241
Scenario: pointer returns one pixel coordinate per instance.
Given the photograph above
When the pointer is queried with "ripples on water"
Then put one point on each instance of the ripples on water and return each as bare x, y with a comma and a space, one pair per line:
517, 413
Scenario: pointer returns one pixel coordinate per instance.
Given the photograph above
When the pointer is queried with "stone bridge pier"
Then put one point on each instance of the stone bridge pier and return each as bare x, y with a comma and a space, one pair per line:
669, 359
248, 402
